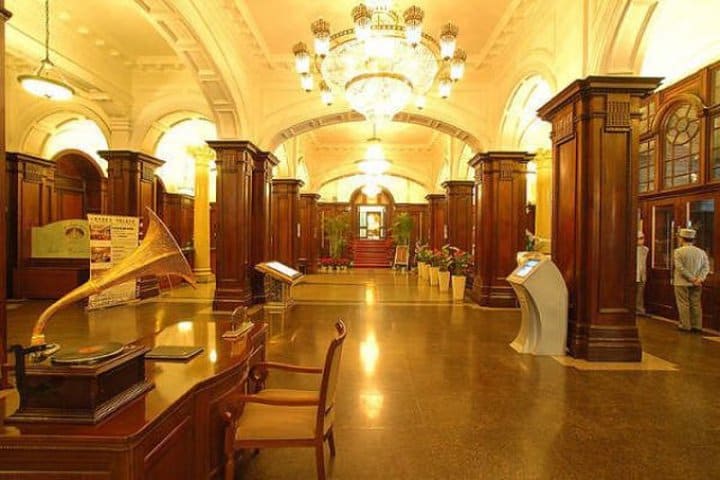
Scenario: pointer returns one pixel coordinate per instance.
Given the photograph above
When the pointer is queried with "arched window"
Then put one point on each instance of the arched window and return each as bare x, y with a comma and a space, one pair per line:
178, 173
77, 134
681, 155
521, 126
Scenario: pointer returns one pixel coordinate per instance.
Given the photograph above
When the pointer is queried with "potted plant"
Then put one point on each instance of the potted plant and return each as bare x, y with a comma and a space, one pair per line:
336, 229
444, 269
422, 257
326, 264
459, 265
435, 261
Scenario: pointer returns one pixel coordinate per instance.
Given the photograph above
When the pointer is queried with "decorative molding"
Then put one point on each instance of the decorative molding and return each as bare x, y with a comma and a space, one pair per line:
618, 114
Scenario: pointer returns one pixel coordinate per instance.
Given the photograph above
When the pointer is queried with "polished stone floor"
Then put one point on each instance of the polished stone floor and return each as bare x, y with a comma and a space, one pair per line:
431, 390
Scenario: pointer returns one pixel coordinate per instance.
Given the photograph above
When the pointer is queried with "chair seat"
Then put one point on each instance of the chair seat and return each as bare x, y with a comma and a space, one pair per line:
272, 422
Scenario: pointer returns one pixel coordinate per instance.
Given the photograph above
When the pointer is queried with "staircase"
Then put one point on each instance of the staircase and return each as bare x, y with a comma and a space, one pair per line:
372, 253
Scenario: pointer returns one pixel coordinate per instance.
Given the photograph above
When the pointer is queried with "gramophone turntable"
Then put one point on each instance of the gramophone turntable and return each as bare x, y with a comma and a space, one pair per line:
86, 384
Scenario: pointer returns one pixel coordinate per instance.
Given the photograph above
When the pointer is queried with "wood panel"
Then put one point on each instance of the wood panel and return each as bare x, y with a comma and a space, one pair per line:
419, 213
459, 206
286, 221
501, 223
75, 166
261, 241
329, 210
309, 231
437, 226
213, 236
234, 221
4, 16
595, 135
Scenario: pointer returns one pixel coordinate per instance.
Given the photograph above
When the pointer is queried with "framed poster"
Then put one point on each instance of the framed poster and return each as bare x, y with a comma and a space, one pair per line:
402, 255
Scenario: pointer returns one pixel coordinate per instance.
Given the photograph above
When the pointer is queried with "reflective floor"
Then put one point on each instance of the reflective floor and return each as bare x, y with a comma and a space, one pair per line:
431, 389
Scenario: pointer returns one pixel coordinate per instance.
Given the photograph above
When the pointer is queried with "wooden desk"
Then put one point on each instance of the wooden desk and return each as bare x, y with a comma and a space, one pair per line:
173, 432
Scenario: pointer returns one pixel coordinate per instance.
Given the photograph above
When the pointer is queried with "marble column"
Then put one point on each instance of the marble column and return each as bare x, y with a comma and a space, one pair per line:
201, 215
234, 160
459, 208
500, 223
543, 206
595, 138
437, 226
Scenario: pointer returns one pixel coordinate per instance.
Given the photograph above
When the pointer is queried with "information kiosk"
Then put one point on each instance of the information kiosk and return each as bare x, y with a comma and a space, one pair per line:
279, 280
543, 298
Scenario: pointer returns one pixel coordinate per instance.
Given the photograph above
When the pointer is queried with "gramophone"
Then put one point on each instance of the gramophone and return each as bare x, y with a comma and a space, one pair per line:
86, 385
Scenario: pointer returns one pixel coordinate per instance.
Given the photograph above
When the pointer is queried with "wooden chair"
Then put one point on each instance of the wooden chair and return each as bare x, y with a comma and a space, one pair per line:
285, 418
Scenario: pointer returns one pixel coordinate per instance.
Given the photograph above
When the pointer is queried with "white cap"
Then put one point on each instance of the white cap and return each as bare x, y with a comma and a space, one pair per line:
687, 233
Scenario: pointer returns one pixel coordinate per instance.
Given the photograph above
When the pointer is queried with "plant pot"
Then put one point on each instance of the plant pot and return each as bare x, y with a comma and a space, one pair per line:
458, 287
434, 275
444, 280
422, 272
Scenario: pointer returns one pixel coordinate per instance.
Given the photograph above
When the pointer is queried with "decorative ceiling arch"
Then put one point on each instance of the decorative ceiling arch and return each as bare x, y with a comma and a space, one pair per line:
352, 116
170, 19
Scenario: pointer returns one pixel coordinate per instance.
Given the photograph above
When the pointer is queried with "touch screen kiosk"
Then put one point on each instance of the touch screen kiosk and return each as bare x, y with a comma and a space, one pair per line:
543, 298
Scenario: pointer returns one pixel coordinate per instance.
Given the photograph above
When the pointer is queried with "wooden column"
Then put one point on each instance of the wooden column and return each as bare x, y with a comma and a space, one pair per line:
131, 188
234, 223
286, 220
595, 136
263, 163
500, 223
459, 194
4, 16
309, 235
437, 228
543, 207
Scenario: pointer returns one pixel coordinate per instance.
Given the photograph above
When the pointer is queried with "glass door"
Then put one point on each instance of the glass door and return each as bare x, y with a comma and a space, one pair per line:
371, 224
663, 238
701, 218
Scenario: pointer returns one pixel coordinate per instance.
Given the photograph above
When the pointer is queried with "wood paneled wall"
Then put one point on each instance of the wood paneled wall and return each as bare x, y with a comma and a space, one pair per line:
459, 217
329, 210
213, 236
309, 231
595, 136
500, 224
286, 221
702, 91
419, 213
4, 16
234, 223
437, 226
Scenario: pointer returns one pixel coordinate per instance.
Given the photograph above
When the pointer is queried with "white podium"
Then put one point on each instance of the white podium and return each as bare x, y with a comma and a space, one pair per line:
543, 298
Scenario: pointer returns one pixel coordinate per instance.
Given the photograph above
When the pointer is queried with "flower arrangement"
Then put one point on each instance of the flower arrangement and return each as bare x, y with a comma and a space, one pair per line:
327, 262
459, 261
445, 258
530, 241
422, 252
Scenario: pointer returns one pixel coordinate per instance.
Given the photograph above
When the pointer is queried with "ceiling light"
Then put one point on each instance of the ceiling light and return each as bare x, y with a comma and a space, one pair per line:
306, 81
383, 62
372, 187
326, 93
420, 102
445, 86
47, 81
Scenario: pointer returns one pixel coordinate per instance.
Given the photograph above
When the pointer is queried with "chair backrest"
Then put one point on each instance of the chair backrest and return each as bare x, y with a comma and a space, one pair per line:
331, 372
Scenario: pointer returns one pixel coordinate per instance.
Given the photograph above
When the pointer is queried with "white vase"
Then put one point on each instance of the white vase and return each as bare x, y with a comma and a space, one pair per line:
422, 272
434, 275
444, 280
458, 287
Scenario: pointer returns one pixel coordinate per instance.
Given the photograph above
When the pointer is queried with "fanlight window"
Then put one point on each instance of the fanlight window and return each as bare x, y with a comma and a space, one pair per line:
682, 147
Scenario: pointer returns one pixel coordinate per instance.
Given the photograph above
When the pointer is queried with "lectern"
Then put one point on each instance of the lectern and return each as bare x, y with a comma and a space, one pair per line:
279, 280
543, 298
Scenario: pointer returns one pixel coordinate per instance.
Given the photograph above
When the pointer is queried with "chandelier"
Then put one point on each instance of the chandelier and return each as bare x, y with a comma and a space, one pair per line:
374, 162
47, 81
382, 63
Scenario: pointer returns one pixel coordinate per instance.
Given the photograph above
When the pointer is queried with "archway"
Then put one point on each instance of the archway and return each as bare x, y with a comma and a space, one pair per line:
80, 185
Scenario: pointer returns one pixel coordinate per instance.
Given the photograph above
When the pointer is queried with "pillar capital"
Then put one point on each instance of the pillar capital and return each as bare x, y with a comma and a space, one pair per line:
310, 196
595, 137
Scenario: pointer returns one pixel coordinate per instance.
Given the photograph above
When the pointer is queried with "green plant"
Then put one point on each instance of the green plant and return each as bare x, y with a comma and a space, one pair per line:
336, 229
422, 252
402, 228
459, 261
445, 258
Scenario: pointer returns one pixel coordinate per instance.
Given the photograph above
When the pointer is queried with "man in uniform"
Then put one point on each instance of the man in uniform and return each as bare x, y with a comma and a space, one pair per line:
641, 273
691, 267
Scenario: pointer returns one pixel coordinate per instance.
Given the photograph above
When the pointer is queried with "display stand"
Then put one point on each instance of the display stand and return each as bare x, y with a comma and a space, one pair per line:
543, 298
278, 282
402, 256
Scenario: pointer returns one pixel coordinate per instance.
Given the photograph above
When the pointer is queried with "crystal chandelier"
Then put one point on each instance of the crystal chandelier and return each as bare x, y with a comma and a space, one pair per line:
47, 81
383, 63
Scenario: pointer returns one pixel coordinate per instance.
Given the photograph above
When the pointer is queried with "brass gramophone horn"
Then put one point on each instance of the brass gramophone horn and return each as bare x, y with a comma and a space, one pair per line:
157, 254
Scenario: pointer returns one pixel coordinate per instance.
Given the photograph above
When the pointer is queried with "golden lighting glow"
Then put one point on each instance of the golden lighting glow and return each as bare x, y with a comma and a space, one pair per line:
185, 326
213, 356
369, 353
372, 403
383, 62
370, 288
